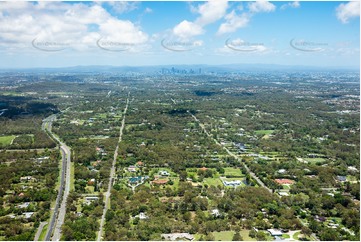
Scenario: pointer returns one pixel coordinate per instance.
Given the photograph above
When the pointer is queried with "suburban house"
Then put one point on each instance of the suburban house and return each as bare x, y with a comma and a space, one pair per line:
141, 216
164, 173
284, 181
232, 183
341, 178
27, 178
28, 215
89, 200
24, 205
132, 169
281, 171
137, 180
178, 236
203, 169
283, 194
352, 168
320, 218
160, 182
216, 213
275, 232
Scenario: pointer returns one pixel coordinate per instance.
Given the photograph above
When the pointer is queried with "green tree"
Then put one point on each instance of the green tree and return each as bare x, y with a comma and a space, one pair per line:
237, 237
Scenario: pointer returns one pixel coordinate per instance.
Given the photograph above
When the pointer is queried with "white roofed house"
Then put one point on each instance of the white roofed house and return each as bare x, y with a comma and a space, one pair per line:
178, 236
275, 232
215, 213
132, 169
141, 216
27, 178
232, 183
164, 173
28, 215
24, 205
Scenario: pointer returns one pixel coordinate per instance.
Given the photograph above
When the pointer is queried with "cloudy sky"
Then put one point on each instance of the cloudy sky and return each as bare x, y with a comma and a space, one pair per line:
57, 34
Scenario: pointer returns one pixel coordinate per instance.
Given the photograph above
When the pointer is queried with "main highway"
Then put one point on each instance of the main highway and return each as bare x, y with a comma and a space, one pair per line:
58, 216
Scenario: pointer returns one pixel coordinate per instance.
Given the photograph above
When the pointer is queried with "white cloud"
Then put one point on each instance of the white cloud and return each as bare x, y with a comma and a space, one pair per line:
123, 6
345, 12
62, 22
148, 10
233, 22
261, 6
210, 12
122, 31
295, 4
186, 29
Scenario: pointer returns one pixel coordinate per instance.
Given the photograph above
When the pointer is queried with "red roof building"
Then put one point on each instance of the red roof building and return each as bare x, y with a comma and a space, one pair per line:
160, 182
284, 181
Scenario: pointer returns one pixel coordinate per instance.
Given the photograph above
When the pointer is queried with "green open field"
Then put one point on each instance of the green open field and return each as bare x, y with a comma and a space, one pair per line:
264, 131
43, 233
351, 178
72, 167
212, 181
90, 189
229, 171
295, 235
6, 140
286, 187
227, 235
285, 236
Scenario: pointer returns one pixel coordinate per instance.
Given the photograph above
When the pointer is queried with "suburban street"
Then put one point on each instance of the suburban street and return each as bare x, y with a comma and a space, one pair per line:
111, 177
231, 154
40, 228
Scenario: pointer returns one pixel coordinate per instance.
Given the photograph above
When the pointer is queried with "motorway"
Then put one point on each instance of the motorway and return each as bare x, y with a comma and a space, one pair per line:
111, 176
58, 216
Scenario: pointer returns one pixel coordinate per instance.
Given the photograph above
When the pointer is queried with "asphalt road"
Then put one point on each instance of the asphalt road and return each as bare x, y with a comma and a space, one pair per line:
253, 175
231, 154
58, 216
66, 186
111, 177
40, 229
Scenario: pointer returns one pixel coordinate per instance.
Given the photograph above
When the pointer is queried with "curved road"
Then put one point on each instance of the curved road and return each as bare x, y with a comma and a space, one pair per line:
111, 176
64, 188
40, 229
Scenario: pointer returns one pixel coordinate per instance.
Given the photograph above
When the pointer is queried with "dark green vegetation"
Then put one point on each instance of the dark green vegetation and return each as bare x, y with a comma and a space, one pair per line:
27, 188
297, 132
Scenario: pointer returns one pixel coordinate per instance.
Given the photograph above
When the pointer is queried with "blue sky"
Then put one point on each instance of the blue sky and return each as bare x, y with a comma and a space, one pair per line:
57, 34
